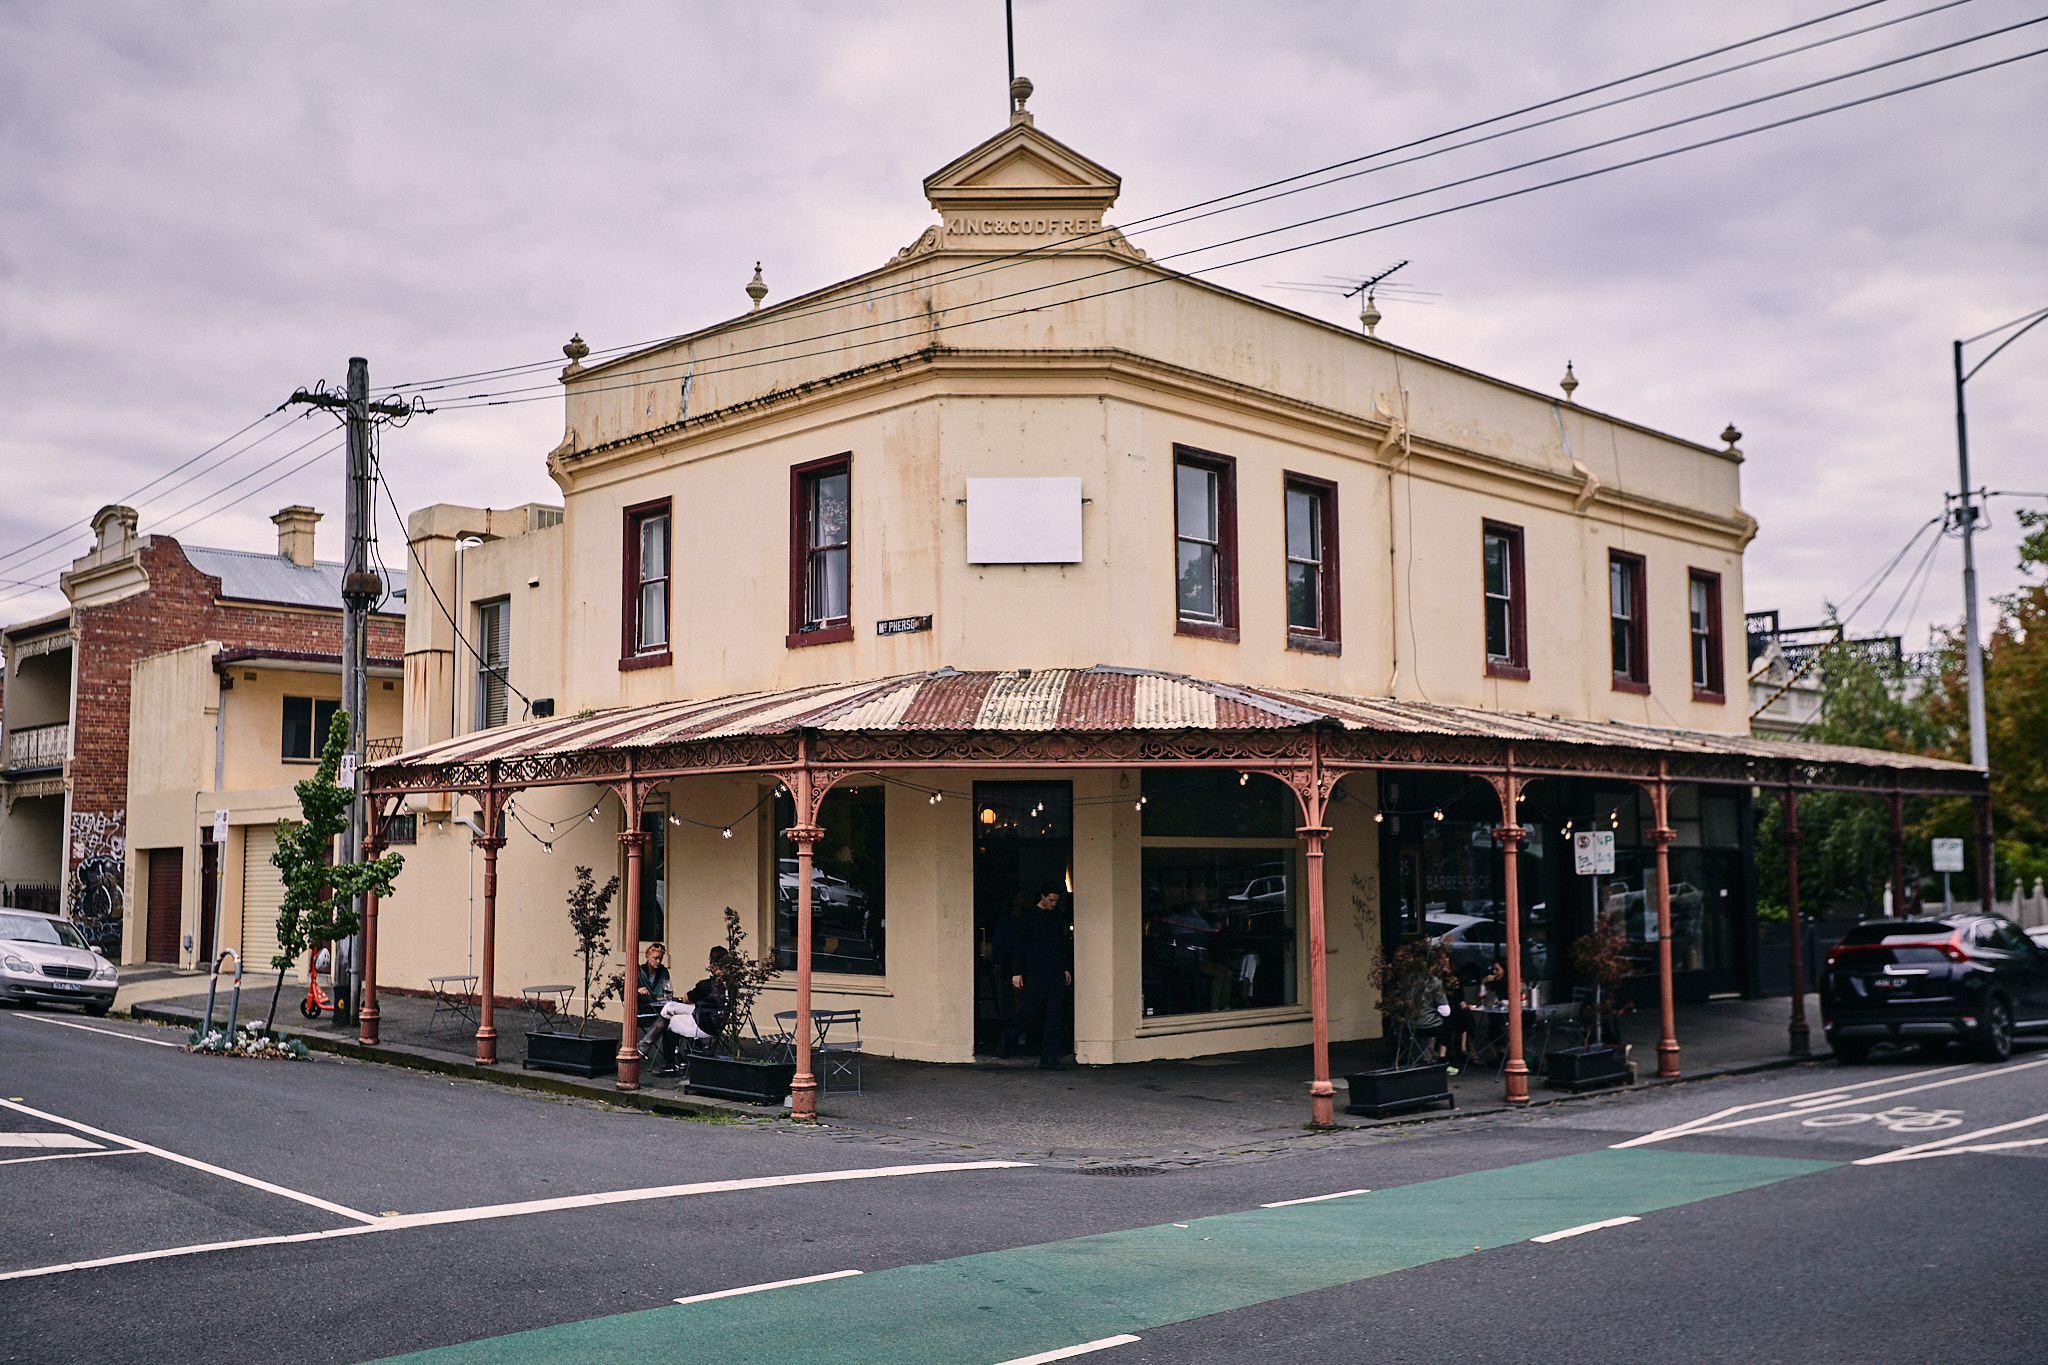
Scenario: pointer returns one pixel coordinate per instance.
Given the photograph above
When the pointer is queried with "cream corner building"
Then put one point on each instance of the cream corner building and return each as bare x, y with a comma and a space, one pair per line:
1021, 454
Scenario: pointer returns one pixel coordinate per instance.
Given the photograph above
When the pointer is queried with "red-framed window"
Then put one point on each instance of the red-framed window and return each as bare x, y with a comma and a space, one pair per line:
645, 592
1313, 620
1205, 543
1628, 622
1703, 612
821, 551
1506, 595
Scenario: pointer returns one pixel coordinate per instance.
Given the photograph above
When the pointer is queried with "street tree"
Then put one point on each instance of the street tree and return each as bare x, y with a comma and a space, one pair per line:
319, 893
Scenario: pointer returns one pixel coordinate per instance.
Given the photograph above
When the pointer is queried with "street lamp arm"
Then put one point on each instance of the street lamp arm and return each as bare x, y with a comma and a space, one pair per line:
2039, 318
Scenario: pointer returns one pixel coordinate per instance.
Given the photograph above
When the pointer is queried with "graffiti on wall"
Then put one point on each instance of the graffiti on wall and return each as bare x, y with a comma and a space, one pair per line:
99, 848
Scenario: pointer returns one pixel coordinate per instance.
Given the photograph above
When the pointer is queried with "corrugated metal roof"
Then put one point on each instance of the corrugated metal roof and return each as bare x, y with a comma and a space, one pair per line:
1097, 700
252, 577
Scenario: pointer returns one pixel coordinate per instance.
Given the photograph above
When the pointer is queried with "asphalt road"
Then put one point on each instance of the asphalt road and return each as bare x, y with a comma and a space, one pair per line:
380, 1213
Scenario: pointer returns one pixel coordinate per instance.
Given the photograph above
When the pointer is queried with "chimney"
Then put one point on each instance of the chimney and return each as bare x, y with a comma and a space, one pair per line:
295, 534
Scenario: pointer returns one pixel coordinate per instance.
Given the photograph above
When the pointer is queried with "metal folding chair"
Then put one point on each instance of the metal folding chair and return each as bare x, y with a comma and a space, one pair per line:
838, 1055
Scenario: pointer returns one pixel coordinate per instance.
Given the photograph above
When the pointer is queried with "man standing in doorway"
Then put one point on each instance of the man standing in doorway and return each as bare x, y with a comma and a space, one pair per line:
1044, 972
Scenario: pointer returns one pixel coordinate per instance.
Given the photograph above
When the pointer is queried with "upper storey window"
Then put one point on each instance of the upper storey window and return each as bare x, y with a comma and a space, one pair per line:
1205, 543
821, 551
493, 661
306, 721
1704, 609
647, 579
1311, 509
1507, 630
1628, 623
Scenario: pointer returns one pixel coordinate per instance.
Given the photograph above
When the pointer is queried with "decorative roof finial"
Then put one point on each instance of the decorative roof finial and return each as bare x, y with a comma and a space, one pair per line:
1731, 436
1568, 383
757, 288
1020, 91
575, 349
1370, 314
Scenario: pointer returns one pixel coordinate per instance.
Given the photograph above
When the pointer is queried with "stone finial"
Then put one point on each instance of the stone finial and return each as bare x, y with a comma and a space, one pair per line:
1731, 435
576, 348
1369, 316
1020, 92
1569, 383
757, 288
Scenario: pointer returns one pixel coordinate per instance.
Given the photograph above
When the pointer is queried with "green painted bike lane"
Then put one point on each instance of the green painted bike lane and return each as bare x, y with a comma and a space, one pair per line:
999, 1305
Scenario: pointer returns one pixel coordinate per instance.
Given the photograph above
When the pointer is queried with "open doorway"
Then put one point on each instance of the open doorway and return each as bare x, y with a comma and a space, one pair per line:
1023, 839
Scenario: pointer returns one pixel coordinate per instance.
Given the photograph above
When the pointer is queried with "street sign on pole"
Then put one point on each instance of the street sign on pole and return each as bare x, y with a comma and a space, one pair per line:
1948, 855
1593, 853
220, 827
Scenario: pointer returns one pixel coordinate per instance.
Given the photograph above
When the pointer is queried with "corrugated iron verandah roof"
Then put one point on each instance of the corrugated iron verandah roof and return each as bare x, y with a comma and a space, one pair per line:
1108, 716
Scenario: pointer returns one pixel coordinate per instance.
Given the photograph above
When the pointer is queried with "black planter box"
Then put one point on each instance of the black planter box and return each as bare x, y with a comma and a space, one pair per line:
1584, 1068
1395, 1088
567, 1053
734, 1079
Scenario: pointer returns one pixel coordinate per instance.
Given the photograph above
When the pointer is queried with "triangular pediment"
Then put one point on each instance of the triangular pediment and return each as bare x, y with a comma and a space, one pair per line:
1022, 167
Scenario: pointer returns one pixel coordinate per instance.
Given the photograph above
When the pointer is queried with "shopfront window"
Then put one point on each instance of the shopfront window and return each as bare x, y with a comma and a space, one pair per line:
1220, 913
848, 924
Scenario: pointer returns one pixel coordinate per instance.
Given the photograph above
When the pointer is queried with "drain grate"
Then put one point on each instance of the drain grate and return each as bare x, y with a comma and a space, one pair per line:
1118, 1170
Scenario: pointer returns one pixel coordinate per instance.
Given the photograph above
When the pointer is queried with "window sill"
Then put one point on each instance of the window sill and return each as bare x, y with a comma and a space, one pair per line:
834, 983
1632, 687
1203, 631
830, 635
1709, 696
1160, 1025
661, 660
1314, 644
1500, 668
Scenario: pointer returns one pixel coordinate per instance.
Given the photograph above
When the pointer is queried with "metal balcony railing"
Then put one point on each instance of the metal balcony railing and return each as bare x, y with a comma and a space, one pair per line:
377, 750
38, 746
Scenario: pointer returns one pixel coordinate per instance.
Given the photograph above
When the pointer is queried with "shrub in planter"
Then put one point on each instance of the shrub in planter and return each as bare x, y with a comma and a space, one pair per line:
1601, 958
1395, 1088
576, 1053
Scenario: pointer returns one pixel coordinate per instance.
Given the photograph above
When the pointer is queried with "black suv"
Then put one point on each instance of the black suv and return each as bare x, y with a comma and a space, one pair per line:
1959, 978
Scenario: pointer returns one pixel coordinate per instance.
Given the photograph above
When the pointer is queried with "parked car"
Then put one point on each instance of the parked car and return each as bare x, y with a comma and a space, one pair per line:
1476, 942
45, 959
2039, 933
1974, 979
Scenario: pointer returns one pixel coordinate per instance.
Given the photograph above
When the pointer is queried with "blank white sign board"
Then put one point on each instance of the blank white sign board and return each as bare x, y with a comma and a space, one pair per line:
1023, 521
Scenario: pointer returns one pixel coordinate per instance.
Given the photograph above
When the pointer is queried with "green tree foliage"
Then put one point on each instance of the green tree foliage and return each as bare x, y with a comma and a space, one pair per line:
319, 895
591, 921
739, 979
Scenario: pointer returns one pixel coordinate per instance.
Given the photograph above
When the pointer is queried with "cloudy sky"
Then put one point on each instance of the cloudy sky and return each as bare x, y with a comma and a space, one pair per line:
203, 206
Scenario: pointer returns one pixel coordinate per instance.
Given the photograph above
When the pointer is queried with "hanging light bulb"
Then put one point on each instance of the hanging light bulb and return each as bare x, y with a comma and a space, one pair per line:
1438, 813
1243, 778
593, 815
728, 831
676, 820
1379, 817
547, 847
551, 827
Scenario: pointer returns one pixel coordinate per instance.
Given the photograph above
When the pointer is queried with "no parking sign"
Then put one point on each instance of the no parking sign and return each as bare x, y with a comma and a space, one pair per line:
1593, 853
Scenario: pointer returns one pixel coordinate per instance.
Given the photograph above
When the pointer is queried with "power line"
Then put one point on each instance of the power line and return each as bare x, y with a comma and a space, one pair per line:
928, 327
1155, 221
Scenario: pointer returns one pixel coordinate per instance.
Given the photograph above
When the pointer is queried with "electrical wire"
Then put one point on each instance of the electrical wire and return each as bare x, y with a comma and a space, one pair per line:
509, 397
1159, 220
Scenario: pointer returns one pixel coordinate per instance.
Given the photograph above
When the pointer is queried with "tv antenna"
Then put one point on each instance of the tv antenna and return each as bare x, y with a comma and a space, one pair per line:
1351, 286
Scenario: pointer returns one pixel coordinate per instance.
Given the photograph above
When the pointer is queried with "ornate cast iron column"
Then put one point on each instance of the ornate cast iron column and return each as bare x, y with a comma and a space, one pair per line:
490, 841
1660, 838
1322, 1096
1515, 1072
367, 1013
803, 1086
1897, 802
634, 840
1796, 954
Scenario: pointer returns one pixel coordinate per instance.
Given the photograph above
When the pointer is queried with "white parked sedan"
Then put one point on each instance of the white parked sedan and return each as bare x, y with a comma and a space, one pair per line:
46, 959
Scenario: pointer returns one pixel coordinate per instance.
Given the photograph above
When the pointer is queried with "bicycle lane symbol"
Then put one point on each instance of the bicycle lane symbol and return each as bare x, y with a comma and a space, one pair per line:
1901, 1118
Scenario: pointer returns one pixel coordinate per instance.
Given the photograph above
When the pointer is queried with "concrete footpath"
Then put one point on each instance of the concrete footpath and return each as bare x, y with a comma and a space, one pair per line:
1190, 1110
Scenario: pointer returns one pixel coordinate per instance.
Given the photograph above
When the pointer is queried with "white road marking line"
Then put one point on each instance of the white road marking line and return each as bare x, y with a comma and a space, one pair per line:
1708, 1126
1949, 1146
221, 1171
45, 1140
772, 1284
69, 1156
417, 1220
1069, 1352
1585, 1227
1805, 1102
111, 1033
1313, 1199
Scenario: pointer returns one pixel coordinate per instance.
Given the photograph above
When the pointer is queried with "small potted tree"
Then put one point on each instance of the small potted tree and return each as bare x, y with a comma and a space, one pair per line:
590, 920
738, 1067
1410, 983
1602, 960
